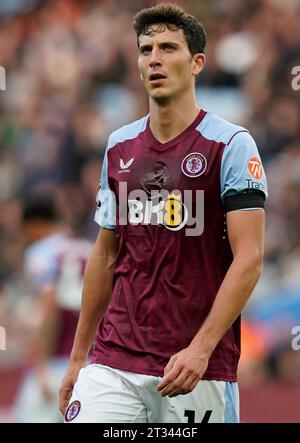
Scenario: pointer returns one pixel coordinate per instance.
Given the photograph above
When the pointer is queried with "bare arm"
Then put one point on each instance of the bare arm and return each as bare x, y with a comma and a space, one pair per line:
245, 232
97, 291
246, 236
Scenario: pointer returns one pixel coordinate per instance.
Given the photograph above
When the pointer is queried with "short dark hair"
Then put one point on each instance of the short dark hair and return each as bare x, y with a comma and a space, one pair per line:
41, 207
173, 17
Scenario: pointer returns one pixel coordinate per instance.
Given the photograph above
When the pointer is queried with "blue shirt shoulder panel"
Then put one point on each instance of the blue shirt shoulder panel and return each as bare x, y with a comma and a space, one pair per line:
105, 214
127, 132
241, 166
213, 127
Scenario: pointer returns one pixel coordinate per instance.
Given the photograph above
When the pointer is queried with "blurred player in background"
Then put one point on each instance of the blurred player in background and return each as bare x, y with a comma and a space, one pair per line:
168, 301
54, 262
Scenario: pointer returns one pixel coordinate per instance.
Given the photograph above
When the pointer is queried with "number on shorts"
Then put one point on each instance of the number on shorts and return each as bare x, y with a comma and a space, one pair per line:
190, 414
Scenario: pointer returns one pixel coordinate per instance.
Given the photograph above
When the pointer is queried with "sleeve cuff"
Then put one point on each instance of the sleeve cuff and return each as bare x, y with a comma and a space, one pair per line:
251, 200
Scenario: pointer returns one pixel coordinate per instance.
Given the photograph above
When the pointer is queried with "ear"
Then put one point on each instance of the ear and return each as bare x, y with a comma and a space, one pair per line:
198, 63
140, 72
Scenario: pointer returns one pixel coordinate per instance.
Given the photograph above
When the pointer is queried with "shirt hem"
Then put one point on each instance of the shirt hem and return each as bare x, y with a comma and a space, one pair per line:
210, 375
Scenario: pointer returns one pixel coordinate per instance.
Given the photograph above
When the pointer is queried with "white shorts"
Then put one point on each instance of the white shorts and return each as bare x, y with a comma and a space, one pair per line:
106, 395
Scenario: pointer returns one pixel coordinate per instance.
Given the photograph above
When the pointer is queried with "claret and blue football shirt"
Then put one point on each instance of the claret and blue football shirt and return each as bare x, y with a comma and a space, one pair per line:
167, 203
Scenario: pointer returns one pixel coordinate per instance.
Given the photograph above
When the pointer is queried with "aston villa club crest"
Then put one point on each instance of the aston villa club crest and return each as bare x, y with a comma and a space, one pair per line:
194, 164
72, 410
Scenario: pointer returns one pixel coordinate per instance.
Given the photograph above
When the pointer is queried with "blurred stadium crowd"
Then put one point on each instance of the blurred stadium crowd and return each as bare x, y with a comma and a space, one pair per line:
71, 79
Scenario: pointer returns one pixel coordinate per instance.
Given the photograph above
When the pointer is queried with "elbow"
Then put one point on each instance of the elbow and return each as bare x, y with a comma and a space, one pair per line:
252, 261
258, 264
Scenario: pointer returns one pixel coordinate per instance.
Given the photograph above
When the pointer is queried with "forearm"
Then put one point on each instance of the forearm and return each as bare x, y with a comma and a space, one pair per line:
97, 290
232, 296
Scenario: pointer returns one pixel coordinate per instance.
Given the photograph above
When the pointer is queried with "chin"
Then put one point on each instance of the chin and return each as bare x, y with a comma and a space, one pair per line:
159, 94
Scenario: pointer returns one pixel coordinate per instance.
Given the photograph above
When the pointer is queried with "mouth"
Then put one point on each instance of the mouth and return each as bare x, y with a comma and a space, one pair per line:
156, 78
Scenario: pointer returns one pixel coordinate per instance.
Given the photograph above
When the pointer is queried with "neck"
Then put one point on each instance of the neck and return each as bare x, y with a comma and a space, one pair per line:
169, 119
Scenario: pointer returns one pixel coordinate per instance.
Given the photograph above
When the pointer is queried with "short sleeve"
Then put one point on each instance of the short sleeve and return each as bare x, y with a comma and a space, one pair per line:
105, 214
242, 171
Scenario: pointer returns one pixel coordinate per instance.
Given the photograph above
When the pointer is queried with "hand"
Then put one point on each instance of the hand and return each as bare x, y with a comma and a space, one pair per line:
183, 372
68, 383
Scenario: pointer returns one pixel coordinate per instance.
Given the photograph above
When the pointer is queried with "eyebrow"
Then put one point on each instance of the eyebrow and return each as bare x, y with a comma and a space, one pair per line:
149, 45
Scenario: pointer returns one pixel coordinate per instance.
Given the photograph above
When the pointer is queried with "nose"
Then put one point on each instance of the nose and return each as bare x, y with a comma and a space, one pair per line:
155, 59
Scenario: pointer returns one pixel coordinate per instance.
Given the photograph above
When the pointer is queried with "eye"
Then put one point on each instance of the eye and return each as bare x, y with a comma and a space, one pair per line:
169, 48
145, 50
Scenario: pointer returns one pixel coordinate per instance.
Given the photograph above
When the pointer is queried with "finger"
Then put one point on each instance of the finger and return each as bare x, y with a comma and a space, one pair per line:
189, 382
168, 378
63, 408
187, 387
194, 383
179, 392
175, 385
64, 397
64, 404
170, 364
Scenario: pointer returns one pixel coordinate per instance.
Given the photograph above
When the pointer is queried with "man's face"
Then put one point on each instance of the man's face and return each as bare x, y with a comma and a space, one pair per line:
166, 65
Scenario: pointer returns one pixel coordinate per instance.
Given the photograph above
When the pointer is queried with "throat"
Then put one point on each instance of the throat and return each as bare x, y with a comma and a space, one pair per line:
166, 126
